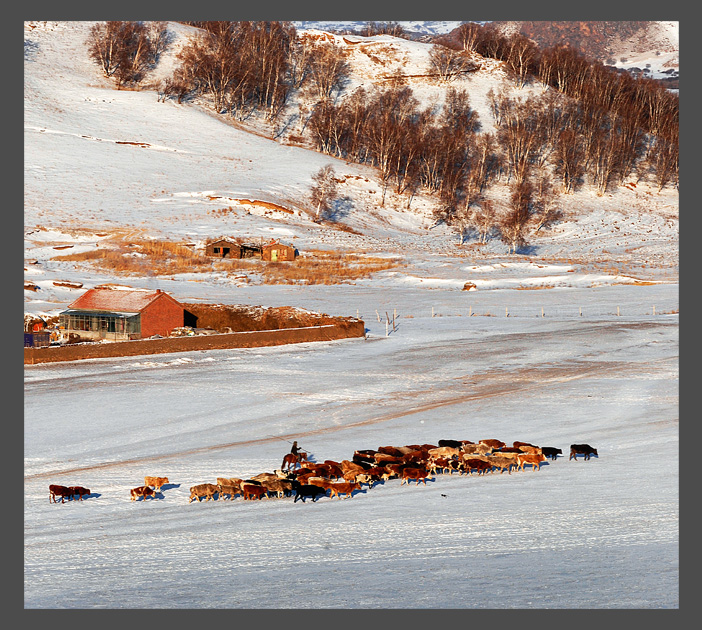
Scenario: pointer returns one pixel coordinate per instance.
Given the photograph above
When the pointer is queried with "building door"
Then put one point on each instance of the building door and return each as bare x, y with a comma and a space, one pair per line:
274, 255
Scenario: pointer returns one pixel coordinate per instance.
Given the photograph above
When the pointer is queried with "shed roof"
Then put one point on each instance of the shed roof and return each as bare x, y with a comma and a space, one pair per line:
277, 244
224, 240
105, 299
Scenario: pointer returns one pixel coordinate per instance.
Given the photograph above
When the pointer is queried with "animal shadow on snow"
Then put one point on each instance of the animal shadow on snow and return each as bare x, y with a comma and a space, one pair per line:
156, 495
169, 486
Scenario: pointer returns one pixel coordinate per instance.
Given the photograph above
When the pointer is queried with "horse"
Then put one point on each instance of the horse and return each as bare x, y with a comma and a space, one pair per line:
291, 460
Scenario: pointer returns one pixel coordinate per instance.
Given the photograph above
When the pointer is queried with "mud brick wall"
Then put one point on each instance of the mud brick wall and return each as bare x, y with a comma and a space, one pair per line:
250, 339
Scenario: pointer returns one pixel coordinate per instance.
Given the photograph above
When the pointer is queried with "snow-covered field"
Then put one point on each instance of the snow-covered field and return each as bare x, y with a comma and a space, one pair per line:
575, 342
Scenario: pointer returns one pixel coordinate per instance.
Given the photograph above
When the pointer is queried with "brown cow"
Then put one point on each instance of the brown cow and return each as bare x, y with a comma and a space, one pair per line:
384, 458
264, 476
203, 490
476, 449
503, 463
349, 466
494, 443
418, 474
251, 491
390, 450
444, 451
481, 466
337, 489
141, 491
321, 482
156, 482
80, 491
60, 491
279, 487
442, 464
229, 489
528, 448
530, 458
233, 481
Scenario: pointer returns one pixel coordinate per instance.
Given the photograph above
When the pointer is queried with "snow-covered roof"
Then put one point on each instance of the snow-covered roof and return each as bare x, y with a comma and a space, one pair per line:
106, 299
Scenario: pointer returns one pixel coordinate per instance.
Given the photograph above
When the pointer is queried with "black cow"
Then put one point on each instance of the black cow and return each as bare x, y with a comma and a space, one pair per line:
582, 449
451, 443
302, 491
550, 452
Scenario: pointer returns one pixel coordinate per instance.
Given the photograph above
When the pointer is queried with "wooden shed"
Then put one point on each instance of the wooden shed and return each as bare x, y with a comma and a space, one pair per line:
122, 313
277, 251
225, 248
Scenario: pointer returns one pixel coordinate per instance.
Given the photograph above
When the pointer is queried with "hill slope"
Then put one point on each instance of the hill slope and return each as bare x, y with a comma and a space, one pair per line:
102, 163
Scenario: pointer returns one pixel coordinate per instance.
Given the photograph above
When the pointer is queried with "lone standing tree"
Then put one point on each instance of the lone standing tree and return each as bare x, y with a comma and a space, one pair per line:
324, 190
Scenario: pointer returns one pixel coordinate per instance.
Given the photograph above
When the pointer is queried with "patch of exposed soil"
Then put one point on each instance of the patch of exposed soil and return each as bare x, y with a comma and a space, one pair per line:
240, 318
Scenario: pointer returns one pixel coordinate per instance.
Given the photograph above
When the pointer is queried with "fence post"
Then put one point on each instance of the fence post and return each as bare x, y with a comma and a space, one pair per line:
470, 311
542, 311
617, 311
581, 311
432, 311
506, 312
654, 309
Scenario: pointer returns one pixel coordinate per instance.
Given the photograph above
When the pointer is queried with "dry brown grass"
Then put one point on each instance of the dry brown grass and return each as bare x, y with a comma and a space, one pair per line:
141, 257
325, 267
164, 258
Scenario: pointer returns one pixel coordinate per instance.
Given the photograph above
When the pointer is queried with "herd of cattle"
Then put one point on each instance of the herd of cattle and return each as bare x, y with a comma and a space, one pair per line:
306, 479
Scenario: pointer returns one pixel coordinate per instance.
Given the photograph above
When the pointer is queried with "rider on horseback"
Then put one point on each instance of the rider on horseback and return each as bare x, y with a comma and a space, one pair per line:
295, 448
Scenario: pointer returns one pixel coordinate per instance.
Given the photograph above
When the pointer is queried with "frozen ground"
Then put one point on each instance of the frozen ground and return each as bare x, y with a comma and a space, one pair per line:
576, 342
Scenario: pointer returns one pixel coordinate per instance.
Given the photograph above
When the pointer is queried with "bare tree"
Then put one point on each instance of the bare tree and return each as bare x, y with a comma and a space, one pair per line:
520, 56
569, 159
324, 190
104, 45
514, 223
545, 212
327, 69
382, 28
468, 35
484, 219
126, 51
448, 64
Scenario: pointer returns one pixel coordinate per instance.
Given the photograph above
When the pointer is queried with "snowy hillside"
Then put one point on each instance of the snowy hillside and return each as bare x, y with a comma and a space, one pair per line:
573, 341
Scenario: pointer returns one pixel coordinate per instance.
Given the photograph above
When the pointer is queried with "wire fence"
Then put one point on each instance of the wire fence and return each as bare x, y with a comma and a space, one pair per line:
391, 318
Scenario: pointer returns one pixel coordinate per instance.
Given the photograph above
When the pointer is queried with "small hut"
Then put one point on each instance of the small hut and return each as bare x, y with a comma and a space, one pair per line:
277, 251
223, 248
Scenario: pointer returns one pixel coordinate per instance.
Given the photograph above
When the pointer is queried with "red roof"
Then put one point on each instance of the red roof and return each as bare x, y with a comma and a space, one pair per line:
116, 300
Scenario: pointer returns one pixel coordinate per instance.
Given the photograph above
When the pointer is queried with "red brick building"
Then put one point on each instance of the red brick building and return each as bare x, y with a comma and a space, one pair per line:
121, 313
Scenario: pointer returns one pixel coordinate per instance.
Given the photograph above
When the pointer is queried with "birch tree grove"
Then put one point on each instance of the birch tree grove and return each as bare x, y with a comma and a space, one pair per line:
126, 51
590, 124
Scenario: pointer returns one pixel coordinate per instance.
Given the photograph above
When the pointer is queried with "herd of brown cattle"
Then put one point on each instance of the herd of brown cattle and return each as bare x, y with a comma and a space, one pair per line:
415, 462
